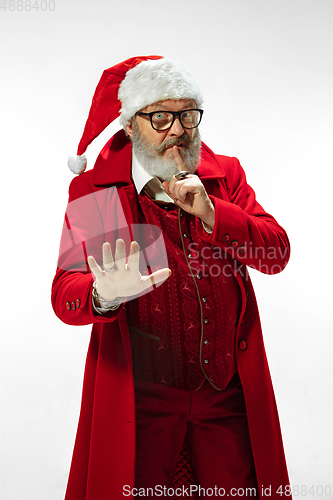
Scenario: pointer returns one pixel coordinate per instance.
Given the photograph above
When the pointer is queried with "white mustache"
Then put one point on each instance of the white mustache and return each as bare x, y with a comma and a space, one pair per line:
172, 142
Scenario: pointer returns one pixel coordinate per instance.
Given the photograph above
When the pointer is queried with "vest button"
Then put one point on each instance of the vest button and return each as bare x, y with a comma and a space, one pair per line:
205, 341
242, 345
206, 361
185, 235
198, 276
190, 256
206, 320
204, 299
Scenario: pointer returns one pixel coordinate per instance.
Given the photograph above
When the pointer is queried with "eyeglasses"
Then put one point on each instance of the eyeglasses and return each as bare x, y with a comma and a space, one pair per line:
163, 120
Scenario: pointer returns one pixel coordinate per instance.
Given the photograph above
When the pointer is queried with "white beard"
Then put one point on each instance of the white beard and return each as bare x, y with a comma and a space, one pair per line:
164, 167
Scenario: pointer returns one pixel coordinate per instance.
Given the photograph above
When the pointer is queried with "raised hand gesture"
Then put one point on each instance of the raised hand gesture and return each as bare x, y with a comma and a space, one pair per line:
121, 279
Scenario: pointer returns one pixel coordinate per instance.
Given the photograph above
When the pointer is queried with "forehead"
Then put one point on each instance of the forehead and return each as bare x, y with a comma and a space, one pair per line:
170, 105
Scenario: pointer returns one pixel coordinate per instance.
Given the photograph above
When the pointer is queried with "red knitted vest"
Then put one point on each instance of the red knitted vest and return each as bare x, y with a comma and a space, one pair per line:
183, 331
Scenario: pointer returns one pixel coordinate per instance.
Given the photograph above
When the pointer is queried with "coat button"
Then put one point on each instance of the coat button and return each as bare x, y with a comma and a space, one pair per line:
78, 302
242, 249
226, 238
234, 243
242, 345
73, 306
68, 305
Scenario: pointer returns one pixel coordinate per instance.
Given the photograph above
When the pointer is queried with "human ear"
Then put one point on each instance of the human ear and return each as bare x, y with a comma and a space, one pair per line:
129, 128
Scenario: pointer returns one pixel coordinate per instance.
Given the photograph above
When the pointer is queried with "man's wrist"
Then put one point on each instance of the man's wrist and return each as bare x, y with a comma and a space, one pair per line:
207, 228
105, 305
209, 220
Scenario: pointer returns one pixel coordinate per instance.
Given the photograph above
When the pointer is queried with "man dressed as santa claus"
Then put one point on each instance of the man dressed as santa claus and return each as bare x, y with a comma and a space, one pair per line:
154, 253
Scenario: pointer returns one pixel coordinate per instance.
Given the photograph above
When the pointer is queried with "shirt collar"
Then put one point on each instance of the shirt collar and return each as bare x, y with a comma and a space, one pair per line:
139, 174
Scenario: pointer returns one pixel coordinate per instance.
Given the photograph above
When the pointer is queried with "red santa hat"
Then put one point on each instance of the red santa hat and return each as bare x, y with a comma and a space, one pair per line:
128, 87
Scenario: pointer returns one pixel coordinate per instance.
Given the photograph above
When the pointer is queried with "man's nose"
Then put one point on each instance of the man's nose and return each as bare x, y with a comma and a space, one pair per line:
177, 128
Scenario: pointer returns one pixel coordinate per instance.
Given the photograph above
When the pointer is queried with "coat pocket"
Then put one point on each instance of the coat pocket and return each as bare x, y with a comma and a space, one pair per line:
143, 334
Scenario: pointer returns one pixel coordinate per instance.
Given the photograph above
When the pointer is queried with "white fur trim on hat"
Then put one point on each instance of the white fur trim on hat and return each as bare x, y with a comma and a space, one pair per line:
153, 81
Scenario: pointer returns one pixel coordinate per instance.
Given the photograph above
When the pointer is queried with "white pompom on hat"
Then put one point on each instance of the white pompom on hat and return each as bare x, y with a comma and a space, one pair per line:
128, 87
77, 164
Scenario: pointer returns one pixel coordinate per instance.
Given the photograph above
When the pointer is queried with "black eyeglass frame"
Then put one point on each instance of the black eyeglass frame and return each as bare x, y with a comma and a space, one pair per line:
176, 114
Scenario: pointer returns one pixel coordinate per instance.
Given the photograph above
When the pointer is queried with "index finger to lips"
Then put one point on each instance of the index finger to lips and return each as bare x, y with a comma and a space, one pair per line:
178, 159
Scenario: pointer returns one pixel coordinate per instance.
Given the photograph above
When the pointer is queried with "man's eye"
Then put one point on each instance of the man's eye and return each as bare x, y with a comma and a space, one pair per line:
187, 115
160, 116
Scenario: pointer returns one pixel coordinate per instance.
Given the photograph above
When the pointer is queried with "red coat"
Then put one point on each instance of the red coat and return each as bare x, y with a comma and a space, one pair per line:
104, 454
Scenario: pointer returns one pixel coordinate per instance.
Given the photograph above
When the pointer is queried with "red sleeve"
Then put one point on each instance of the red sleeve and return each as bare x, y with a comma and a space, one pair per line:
242, 227
83, 235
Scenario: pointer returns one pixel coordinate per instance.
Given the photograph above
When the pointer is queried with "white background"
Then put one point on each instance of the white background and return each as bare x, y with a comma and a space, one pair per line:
265, 67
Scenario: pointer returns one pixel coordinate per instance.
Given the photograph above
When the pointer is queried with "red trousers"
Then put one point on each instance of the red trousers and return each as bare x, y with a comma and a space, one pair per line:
213, 425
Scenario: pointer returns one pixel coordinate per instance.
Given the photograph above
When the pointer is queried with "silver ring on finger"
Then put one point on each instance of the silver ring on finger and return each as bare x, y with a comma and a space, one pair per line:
182, 174
108, 269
